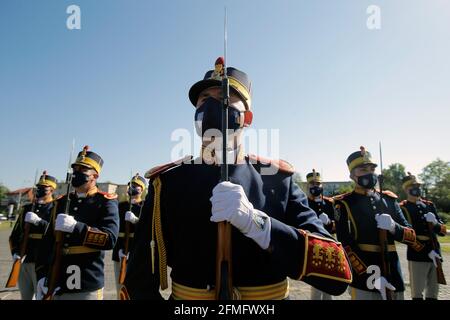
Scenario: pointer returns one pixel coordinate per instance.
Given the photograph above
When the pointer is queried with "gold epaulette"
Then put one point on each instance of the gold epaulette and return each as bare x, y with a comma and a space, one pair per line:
109, 196
340, 196
390, 194
156, 171
281, 165
330, 199
427, 202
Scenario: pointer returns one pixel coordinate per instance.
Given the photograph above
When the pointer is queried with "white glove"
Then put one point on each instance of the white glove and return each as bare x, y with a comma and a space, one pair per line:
129, 216
430, 217
324, 218
16, 257
32, 218
381, 284
229, 203
122, 255
42, 289
65, 223
385, 222
433, 255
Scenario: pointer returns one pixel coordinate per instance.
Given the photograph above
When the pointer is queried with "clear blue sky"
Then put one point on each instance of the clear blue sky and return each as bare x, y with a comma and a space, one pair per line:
319, 75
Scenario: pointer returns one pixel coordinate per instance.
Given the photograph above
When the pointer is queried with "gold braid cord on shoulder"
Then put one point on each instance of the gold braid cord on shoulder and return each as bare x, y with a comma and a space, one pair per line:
157, 229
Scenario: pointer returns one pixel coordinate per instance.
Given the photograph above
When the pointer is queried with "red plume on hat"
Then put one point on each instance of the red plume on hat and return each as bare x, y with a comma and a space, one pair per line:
220, 60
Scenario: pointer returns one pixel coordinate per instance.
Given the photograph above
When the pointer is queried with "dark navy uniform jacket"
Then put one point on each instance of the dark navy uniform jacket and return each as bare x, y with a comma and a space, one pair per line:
358, 232
415, 213
124, 207
324, 206
43, 210
97, 228
190, 237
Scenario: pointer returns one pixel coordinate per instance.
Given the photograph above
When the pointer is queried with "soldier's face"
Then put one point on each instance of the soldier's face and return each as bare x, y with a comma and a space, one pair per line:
91, 173
216, 93
362, 171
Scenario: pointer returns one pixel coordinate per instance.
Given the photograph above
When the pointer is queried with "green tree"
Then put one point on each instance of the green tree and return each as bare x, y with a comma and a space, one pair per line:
3, 191
436, 183
392, 179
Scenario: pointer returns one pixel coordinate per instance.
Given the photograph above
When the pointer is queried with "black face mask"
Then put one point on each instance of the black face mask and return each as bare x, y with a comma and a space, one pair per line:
316, 191
133, 191
79, 178
368, 181
209, 116
415, 192
41, 192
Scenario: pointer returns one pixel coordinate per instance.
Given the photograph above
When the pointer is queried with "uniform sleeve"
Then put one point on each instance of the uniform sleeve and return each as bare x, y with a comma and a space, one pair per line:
440, 228
46, 246
106, 231
140, 282
403, 231
344, 231
306, 250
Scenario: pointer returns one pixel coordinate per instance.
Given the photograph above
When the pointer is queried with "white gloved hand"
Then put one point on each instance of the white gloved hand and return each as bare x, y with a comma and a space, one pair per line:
123, 255
430, 217
385, 222
32, 218
324, 218
42, 289
433, 255
381, 284
129, 216
65, 223
16, 257
229, 203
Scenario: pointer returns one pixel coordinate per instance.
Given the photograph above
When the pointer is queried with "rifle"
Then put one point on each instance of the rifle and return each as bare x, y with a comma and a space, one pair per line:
434, 244
15, 270
382, 235
224, 283
55, 268
124, 260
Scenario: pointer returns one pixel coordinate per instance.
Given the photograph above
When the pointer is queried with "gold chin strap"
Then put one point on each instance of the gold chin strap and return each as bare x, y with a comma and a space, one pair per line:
157, 229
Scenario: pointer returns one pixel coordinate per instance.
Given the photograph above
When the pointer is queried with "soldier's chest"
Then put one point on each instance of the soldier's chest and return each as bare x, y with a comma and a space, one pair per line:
86, 210
417, 214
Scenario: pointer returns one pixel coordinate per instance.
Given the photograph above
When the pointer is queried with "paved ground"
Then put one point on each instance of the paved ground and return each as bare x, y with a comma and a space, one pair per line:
299, 290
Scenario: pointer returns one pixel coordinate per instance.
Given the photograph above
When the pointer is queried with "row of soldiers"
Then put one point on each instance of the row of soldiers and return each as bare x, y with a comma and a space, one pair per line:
278, 231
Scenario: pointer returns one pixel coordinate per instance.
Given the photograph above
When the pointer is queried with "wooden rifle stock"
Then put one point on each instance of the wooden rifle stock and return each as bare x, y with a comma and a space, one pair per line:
384, 259
15, 270
124, 260
56, 266
224, 283
439, 271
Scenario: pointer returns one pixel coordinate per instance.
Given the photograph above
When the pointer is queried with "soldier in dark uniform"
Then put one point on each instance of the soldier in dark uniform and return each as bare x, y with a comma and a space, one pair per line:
275, 234
90, 226
128, 214
37, 216
323, 206
421, 255
361, 215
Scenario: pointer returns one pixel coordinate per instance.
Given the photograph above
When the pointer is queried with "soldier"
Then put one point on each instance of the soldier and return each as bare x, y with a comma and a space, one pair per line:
275, 234
323, 206
89, 226
422, 257
37, 215
361, 217
128, 214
